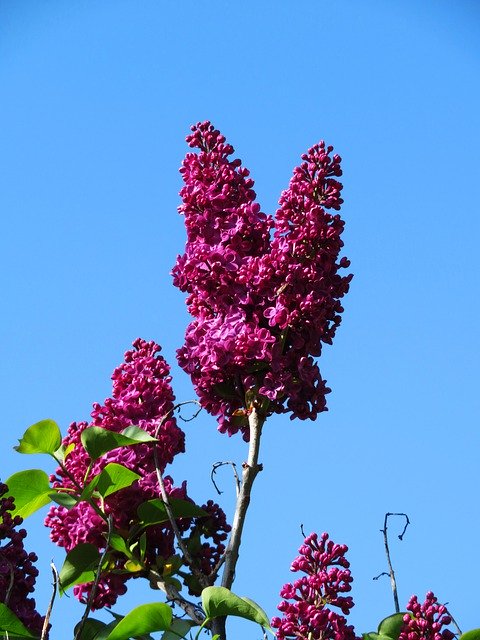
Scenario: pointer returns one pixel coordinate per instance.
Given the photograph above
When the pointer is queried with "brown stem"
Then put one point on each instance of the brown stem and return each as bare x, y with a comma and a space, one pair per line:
46, 622
391, 572
192, 610
250, 469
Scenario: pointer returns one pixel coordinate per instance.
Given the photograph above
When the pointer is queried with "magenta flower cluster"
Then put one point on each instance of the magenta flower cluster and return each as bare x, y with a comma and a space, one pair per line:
426, 620
142, 396
263, 304
17, 570
307, 603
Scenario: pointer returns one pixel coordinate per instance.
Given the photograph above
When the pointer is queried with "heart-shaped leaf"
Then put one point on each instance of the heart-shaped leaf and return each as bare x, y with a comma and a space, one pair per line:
146, 618
391, 626
30, 489
98, 441
219, 601
115, 477
41, 437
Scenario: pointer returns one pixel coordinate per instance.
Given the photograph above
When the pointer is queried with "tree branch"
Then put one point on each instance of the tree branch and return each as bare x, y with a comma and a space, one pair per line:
250, 470
192, 610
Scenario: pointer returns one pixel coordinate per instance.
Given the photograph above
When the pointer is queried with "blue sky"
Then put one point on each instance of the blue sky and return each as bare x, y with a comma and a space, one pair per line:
95, 102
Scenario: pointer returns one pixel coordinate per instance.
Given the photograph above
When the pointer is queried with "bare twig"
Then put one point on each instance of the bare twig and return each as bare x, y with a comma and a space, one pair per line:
192, 610
96, 581
204, 581
216, 466
391, 572
459, 631
55, 583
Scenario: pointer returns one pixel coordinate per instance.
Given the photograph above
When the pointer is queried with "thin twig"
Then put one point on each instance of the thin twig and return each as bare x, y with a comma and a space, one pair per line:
391, 572
192, 610
459, 631
202, 578
55, 583
96, 581
216, 466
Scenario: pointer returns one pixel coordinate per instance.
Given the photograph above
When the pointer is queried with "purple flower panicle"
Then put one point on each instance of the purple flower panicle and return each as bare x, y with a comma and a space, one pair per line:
426, 620
308, 600
142, 396
17, 570
262, 306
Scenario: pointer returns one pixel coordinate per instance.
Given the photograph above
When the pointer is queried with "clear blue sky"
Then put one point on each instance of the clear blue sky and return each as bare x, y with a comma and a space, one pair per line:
95, 101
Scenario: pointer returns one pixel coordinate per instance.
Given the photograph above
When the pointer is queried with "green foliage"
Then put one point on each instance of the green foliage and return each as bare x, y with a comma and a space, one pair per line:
388, 629
154, 511
98, 441
219, 601
30, 489
473, 634
41, 437
178, 629
391, 626
156, 616
9, 623
79, 566
114, 477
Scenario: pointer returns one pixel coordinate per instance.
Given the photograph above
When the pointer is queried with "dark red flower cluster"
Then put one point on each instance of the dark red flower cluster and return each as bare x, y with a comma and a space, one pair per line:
142, 396
426, 620
263, 306
306, 608
17, 571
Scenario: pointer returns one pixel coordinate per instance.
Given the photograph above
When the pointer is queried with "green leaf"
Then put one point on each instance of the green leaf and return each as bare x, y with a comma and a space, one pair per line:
41, 437
80, 563
11, 624
373, 635
154, 511
115, 477
219, 601
98, 440
31, 490
473, 634
156, 616
91, 629
391, 626
67, 500
178, 628
119, 543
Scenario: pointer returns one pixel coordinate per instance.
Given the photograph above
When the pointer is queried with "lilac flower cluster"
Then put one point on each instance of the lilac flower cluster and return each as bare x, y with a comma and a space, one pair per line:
306, 608
17, 571
262, 305
426, 620
142, 396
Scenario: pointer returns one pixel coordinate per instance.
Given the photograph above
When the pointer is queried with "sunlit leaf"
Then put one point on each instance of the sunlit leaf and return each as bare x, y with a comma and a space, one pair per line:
146, 618
178, 629
473, 634
31, 490
98, 441
115, 477
41, 437
219, 601
391, 626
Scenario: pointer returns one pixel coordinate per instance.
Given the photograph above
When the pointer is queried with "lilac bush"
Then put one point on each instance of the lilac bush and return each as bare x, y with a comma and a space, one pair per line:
142, 395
